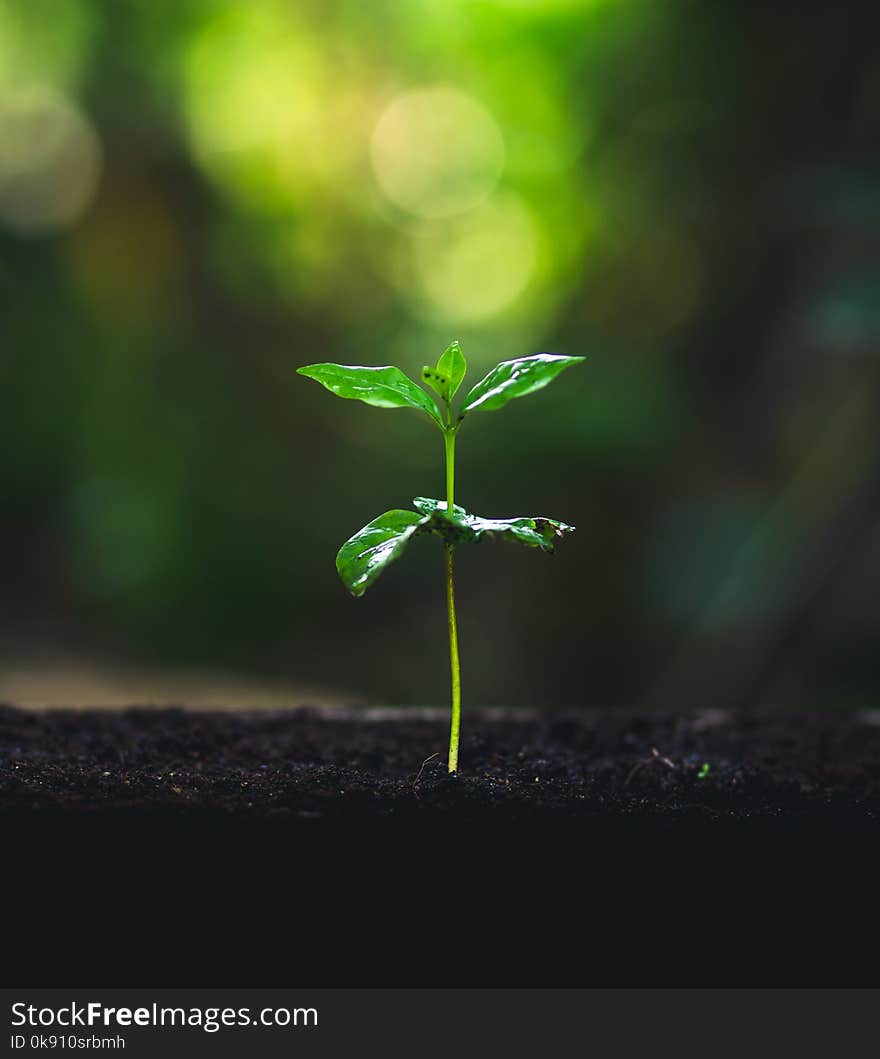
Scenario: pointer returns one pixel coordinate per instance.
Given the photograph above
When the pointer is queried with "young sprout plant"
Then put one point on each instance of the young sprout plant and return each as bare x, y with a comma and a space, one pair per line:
365, 555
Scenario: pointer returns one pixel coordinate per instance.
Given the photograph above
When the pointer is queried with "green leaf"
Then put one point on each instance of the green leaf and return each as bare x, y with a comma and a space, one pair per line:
384, 387
427, 506
516, 378
365, 555
460, 527
453, 365
445, 378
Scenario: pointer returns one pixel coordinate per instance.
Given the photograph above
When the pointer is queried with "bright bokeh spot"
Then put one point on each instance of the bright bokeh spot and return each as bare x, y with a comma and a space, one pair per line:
50, 162
267, 118
479, 265
437, 152
544, 6
548, 7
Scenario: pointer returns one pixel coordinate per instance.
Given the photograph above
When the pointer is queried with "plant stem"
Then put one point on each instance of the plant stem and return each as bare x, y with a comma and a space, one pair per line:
453, 661
449, 550
450, 468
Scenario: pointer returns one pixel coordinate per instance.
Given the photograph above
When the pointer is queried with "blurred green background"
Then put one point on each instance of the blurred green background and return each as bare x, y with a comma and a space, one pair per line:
198, 196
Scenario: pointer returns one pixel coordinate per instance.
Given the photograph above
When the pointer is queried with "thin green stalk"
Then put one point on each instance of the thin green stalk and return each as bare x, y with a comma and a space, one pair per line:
453, 661
450, 468
449, 550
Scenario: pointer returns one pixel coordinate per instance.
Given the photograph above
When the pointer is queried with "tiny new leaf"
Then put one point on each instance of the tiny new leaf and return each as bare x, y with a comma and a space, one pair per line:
383, 387
445, 378
516, 378
365, 555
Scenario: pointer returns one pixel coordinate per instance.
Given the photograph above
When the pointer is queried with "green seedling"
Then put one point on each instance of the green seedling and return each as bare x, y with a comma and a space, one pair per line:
364, 556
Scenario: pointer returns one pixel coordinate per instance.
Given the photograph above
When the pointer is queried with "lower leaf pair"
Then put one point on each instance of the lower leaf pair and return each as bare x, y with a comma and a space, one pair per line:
365, 555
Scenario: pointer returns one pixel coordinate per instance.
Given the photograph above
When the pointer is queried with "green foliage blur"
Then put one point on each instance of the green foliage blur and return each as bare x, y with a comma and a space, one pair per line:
199, 196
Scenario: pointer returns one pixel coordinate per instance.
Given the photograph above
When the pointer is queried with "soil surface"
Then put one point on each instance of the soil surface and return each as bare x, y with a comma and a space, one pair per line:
306, 765
178, 848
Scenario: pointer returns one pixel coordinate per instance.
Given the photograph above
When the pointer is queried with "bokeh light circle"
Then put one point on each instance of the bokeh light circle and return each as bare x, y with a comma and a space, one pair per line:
50, 162
436, 152
477, 266
270, 119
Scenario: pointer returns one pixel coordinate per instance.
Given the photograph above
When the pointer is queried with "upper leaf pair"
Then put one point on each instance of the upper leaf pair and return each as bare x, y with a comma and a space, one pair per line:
388, 387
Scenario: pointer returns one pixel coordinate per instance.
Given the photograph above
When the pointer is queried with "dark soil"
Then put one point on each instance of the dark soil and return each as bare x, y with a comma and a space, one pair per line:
179, 848
785, 772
